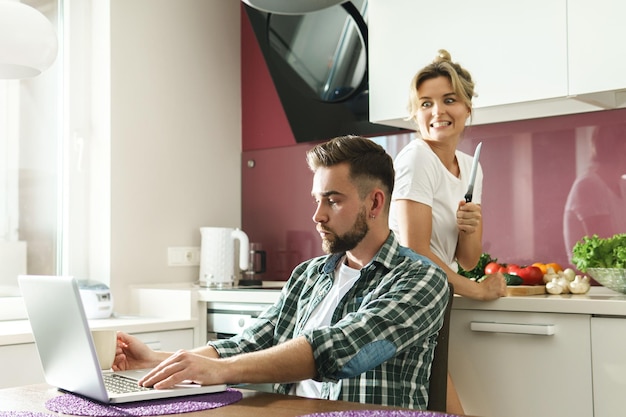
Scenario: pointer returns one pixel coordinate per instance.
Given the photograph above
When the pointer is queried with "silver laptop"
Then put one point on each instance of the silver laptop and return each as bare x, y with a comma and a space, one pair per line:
63, 339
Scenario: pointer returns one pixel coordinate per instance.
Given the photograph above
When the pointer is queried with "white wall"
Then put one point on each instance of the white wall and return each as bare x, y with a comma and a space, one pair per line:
175, 133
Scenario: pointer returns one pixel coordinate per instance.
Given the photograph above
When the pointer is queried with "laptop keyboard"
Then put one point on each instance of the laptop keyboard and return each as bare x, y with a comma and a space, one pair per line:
120, 385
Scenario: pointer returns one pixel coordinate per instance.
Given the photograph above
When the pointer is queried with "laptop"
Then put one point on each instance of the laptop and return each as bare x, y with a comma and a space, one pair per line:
68, 356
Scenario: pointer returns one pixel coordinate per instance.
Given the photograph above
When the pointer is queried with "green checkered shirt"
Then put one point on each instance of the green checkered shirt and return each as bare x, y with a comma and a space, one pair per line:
379, 347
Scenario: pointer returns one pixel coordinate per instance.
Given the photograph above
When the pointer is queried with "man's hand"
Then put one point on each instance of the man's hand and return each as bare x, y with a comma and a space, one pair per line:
132, 353
184, 367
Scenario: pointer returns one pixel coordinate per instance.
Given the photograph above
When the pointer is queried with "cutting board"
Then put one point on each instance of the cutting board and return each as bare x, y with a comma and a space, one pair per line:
517, 290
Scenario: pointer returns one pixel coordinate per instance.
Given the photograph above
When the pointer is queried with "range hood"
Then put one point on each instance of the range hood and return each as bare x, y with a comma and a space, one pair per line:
291, 6
318, 63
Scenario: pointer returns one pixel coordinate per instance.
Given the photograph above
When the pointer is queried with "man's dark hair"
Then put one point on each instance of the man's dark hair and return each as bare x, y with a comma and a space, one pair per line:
370, 165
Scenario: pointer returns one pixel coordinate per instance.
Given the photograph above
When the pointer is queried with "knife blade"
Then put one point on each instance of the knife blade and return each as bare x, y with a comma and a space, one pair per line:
472, 178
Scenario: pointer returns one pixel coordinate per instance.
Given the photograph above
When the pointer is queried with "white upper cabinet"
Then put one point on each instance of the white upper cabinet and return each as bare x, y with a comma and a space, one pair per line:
597, 56
517, 53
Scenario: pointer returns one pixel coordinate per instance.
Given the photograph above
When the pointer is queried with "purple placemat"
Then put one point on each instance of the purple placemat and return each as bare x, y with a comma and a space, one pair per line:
24, 414
379, 413
79, 406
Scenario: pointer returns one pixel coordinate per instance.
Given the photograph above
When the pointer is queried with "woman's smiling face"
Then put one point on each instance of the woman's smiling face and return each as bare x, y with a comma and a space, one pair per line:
441, 115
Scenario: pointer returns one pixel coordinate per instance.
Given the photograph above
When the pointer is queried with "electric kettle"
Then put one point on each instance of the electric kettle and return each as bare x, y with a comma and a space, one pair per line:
217, 256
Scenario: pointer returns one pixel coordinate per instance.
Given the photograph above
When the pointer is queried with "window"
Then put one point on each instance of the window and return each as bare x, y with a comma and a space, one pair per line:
29, 171
54, 153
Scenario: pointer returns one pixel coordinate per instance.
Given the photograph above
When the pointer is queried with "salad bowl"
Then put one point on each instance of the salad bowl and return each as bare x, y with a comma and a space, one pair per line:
612, 278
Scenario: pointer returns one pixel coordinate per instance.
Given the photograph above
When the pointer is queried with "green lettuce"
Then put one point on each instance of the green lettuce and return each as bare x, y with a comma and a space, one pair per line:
479, 269
596, 252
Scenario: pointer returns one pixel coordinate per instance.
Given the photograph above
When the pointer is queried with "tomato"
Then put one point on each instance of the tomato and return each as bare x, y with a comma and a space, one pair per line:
513, 269
531, 275
542, 266
492, 268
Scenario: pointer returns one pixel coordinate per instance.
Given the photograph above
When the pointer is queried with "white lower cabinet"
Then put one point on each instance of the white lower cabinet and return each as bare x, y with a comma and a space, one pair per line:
608, 346
20, 363
519, 364
171, 340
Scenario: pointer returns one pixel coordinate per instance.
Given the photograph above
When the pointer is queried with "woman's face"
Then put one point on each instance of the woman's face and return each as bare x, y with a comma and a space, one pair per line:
441, 114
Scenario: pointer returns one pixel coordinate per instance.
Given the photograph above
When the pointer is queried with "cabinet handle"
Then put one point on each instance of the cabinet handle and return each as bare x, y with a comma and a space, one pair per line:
493, 327
156, 345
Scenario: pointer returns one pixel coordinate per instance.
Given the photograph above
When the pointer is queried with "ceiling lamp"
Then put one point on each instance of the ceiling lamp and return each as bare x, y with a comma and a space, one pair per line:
291, 6
28, 41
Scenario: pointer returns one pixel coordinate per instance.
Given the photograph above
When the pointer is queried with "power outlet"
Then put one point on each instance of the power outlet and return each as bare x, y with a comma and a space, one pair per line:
183, 256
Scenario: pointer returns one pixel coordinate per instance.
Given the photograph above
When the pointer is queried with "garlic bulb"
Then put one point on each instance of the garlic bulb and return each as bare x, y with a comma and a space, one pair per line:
563, 282
580, 285
550, 275
568, 273
554, 287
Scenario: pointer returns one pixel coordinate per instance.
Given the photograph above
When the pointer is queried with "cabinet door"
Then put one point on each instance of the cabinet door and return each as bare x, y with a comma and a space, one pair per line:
521, 364
515, 51
20, 365
597, 56
170, 340
608, 344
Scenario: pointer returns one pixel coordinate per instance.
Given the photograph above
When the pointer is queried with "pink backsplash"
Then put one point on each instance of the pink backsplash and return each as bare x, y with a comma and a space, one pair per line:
529, 168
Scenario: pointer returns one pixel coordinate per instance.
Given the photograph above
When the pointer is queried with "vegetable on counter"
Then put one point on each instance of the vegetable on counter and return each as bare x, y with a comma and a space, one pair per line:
596, 252
510, 279
514, 274
486, 266
479, 270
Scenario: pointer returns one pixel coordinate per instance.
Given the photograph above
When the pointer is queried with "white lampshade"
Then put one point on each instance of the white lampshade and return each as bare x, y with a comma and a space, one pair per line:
291, 6
28, 41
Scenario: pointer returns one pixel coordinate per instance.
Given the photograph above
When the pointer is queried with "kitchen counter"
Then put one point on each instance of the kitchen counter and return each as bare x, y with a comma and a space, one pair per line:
599, 301
18, 331
267, 293
263, 295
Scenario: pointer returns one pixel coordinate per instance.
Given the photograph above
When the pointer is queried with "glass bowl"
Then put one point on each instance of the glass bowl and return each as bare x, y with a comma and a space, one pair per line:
612, 278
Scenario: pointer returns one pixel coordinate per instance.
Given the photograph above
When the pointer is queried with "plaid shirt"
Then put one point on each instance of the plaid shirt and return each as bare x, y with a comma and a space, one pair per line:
379, 347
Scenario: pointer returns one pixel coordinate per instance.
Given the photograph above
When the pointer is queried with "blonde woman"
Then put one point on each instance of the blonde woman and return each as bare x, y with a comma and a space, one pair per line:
428, 211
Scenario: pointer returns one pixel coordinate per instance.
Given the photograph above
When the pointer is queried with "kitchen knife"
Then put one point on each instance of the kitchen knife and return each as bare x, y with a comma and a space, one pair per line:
472, 178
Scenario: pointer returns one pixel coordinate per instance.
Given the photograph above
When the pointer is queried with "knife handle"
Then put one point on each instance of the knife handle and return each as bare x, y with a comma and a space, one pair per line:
470, 193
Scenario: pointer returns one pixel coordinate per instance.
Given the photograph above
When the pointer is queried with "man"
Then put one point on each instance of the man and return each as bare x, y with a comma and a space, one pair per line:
358, 324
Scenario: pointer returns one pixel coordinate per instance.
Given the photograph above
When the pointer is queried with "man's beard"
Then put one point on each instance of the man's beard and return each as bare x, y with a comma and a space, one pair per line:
348, 240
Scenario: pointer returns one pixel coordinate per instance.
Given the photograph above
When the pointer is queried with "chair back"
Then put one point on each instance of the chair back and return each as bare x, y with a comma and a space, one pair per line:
438, 385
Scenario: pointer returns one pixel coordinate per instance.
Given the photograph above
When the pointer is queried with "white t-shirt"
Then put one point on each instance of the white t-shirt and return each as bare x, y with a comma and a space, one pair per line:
345, 277
422, 177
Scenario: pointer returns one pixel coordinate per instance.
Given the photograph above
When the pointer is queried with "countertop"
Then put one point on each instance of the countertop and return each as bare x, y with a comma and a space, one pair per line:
31, 398
598, 301
16, 332
266, 293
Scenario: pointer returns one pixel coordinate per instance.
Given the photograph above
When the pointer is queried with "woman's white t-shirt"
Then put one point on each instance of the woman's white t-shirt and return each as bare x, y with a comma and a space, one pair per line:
422, 177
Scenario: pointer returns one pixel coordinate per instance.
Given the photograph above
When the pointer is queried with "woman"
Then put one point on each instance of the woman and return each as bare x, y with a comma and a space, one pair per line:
428, 212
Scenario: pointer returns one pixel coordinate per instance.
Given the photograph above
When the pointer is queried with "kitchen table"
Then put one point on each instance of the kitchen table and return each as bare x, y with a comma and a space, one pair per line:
31, 398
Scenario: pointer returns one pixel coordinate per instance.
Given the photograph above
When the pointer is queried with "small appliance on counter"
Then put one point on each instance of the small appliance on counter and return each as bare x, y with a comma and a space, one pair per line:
253, 276
217, 256
97, 299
